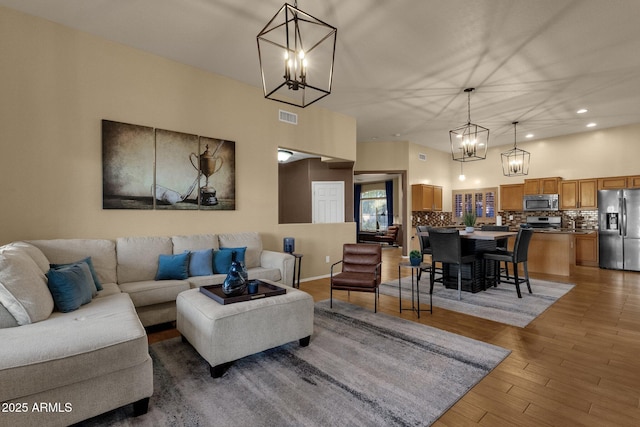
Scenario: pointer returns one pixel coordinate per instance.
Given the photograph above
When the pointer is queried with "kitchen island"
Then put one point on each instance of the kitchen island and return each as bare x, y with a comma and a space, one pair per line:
553, 251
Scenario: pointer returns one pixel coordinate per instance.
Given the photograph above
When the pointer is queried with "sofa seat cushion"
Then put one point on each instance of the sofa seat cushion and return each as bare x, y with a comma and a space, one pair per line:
101, 337
148, 292
215, 279
108, 289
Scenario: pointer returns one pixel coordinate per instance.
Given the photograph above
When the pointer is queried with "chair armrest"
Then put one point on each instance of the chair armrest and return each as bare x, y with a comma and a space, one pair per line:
280, 260
333, 265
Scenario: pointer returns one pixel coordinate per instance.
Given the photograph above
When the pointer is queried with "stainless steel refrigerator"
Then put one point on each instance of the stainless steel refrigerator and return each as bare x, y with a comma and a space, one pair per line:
619, 229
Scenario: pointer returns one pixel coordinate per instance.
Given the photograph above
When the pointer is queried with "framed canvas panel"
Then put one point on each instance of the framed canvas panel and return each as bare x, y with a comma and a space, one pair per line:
217, 160
177, 172
127, 166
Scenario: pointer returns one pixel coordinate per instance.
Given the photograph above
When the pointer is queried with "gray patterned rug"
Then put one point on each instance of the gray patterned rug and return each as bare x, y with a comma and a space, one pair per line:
500, 304
361, 369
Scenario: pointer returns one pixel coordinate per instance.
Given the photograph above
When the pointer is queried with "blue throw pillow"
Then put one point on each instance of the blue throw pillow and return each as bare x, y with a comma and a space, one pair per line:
237, 253
71, 286
173, 267
94, 275
222, 261
201, 262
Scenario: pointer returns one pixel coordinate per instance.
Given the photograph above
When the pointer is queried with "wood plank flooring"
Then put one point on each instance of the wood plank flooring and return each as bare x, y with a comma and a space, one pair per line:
577, 364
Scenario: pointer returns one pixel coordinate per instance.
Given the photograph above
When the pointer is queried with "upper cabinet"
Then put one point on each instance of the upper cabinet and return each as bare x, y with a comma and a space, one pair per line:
426, 197
579, 194
612, 183
511, 197
542, 185
618, 182
633, 181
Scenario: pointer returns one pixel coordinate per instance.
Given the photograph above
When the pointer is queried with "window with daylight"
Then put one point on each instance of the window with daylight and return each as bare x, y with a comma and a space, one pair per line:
481, 201
373, 210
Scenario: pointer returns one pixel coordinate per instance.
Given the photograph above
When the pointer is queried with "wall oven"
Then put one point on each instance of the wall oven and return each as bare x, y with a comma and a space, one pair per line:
540, 202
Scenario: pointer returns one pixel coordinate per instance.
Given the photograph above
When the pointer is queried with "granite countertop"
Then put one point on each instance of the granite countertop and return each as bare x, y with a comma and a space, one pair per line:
567, 231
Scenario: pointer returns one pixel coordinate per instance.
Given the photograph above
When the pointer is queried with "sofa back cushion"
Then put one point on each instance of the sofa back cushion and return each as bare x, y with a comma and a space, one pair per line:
64, 251
34, 252
250, 240
23, 288
138, 257
194, 242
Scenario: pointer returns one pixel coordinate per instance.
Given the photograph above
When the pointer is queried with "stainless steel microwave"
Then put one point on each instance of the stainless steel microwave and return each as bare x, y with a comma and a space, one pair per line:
540, 202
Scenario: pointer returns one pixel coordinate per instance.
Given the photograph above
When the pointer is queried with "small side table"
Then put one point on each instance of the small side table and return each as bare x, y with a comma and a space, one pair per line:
415, 301
297, 265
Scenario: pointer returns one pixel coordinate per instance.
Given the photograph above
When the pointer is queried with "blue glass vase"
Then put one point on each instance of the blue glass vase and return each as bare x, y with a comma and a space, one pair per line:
234, 284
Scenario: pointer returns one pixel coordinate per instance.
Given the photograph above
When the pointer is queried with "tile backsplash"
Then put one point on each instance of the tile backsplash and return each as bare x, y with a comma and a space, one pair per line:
582, 219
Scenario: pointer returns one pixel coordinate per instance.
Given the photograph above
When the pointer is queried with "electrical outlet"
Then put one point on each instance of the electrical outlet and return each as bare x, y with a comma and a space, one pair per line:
327, 259
510, 217
441, 217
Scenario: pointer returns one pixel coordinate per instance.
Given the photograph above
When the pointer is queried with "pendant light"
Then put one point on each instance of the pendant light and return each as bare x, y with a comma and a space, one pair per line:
470, 141
515, 162
296, 53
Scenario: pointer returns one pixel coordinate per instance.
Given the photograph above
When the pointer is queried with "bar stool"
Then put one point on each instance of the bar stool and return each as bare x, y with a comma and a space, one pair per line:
518, 255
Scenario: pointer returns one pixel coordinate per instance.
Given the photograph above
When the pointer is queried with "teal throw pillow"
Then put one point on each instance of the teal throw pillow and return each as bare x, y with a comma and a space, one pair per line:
94, 275
173, 267
201, 262
71, 286
237, 253
222, 261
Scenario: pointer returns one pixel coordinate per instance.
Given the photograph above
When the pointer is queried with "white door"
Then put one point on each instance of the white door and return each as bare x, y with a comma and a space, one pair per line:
327, 202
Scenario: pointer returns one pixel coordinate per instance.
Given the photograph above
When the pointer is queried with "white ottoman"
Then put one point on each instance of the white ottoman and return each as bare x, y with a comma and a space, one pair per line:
224, 333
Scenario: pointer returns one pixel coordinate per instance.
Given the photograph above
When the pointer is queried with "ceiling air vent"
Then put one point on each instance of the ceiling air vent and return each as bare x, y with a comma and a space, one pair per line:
422, 156
288, 117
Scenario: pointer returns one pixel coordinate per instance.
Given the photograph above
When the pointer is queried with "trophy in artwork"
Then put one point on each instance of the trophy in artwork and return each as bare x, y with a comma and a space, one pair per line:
207, 165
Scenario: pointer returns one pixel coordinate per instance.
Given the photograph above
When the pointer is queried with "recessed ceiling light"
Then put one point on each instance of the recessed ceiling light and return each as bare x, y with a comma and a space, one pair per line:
529, 135
590, 125
582, 111
396, 134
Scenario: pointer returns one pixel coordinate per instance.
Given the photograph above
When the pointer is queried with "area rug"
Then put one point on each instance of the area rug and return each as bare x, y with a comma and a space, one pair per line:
360, 369
500, 304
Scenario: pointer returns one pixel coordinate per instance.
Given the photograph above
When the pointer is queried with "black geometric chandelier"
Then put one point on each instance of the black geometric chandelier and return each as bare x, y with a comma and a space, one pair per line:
515, 162
296, 53
469, 142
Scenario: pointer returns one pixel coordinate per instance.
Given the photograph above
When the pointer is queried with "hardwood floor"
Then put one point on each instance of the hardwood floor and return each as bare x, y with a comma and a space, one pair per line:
576, 364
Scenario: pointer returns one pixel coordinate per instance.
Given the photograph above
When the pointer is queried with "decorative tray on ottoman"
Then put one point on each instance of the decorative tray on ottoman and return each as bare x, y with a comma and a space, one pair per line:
265, 290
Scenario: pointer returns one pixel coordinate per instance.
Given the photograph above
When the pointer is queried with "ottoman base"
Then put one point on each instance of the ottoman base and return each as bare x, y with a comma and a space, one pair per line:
224, 333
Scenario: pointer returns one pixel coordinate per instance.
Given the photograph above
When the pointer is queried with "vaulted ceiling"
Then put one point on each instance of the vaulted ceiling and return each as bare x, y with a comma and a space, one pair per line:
401, 66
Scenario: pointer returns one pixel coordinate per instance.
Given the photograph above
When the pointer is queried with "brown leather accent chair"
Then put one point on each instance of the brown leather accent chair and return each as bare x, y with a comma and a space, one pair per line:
390, 237
361, 264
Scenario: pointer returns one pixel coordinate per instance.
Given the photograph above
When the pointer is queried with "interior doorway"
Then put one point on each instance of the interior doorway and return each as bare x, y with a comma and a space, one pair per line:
400, 212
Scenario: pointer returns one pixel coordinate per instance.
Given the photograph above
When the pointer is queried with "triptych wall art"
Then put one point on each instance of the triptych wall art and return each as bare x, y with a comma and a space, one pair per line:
148, 168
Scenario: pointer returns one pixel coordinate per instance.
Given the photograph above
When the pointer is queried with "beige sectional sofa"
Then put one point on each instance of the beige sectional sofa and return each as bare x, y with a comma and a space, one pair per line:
94, 359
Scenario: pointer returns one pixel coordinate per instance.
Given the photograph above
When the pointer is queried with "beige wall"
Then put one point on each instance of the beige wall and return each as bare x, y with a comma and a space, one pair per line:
598, 153
57, 84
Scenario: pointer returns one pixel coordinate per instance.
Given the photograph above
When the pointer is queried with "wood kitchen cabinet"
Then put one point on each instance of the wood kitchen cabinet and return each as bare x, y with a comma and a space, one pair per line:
579, 194
511, 197
542, 185
587, 249
426, 197
612, 183
633, 181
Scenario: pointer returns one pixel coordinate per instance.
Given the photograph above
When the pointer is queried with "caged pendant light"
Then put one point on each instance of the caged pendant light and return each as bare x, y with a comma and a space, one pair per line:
296, 53
469, 142
515, 162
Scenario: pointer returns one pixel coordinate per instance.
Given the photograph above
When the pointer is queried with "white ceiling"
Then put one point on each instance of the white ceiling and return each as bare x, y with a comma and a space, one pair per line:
401, 66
